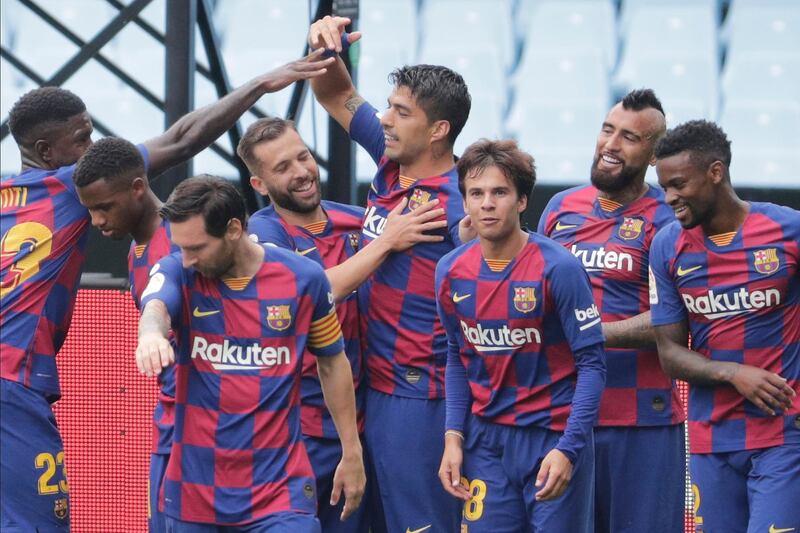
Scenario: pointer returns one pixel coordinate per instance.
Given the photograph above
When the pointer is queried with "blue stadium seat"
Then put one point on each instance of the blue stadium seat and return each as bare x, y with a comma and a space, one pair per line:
562, 138
655, 29
562, 74
762, 26
578, 25
392, 24
766, 76
484, 122
678, 79
765, 168
480, 67
375, 63
255, 25
762, 125
629, 7
456, 23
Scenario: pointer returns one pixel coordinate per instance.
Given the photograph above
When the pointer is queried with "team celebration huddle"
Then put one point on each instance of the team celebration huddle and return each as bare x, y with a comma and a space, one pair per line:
423, 364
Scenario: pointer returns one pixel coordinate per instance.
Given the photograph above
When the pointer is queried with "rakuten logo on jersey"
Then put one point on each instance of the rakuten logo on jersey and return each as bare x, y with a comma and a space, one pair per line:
230, 356
599, 259
592, 314
721, 304
373, 223
498, 339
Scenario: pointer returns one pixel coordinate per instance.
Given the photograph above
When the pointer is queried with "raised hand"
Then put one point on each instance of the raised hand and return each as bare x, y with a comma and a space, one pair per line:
310, 66
327, 33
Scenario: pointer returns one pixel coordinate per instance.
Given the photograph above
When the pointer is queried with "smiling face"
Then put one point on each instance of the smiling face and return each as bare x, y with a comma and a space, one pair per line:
288, 173
625, 147
689, 190
406, 128
116, 209
493, 204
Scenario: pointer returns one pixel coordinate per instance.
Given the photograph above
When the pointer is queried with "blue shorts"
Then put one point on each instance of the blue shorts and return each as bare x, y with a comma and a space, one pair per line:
640, 479
33, 485
155, 518
406, 437
500, 466
750, 491
324, 455
275, 523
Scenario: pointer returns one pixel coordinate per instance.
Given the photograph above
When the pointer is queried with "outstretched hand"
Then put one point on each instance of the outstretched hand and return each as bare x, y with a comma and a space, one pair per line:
310, 66
402, 231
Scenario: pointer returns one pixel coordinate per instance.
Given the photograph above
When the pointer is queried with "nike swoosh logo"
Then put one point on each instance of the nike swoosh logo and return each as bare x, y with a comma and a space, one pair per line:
304, 252
683, 271
200, 314
773, 529
456, 299
420, 530
560, 226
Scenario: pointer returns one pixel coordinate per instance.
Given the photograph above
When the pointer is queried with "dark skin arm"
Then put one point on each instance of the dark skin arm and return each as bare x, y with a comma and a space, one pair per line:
766, 390
197, 130
633, 332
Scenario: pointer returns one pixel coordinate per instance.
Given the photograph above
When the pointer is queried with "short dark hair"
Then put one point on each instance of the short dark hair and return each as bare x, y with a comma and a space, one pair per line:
639, 99
39, 107
216, 199
704, 140
113, 159
439, 91
262, 130
518, 166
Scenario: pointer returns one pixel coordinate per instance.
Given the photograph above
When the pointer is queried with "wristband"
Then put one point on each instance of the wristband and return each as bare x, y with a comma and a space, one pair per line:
345, 46
454, 432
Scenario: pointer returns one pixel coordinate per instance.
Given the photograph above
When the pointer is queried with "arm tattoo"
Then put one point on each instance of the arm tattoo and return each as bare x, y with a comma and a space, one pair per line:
353, 102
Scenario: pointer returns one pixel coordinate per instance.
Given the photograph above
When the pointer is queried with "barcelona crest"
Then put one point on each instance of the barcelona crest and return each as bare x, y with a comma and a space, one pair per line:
279, 317
524, 299
766, 261
630, 228
354, 241
61, 508
418, 197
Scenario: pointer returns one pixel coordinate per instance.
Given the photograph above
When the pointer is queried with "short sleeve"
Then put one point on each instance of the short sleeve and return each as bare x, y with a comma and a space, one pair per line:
325, 332
366, 130
165, 284
666, 306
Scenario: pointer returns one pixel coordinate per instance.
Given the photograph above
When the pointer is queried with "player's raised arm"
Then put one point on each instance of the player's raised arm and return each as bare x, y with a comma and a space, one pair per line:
198, 129
767, 390
334, 89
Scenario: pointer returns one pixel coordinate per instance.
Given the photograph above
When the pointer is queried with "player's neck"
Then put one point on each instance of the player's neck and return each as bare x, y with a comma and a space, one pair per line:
431, 163
730, 213
295, 218
247, 259
627, 195
504, 249
150, 220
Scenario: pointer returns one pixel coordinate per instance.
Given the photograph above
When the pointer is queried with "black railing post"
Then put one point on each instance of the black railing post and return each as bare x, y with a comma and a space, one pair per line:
179, 67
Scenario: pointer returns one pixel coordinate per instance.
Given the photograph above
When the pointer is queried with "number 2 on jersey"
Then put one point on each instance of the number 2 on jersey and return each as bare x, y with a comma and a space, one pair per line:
31, 243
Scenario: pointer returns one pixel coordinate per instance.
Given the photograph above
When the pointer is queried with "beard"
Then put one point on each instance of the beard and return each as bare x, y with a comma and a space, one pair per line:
286, 200
603, 181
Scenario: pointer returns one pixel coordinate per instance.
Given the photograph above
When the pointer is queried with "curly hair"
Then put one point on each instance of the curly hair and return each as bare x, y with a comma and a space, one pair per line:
115, 160
40, 107
704, 140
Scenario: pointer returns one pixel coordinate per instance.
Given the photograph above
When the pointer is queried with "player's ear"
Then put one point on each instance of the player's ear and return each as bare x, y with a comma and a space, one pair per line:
44, 150
523, 203
235, 229
441, 128
139, 186
717, 172
258, 185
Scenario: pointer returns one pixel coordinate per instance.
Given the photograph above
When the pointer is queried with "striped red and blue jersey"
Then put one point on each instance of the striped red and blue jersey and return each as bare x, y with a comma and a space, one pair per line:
612, 242
238, 454
740, 293
329, 243
517, 329
406, 345
141, 259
